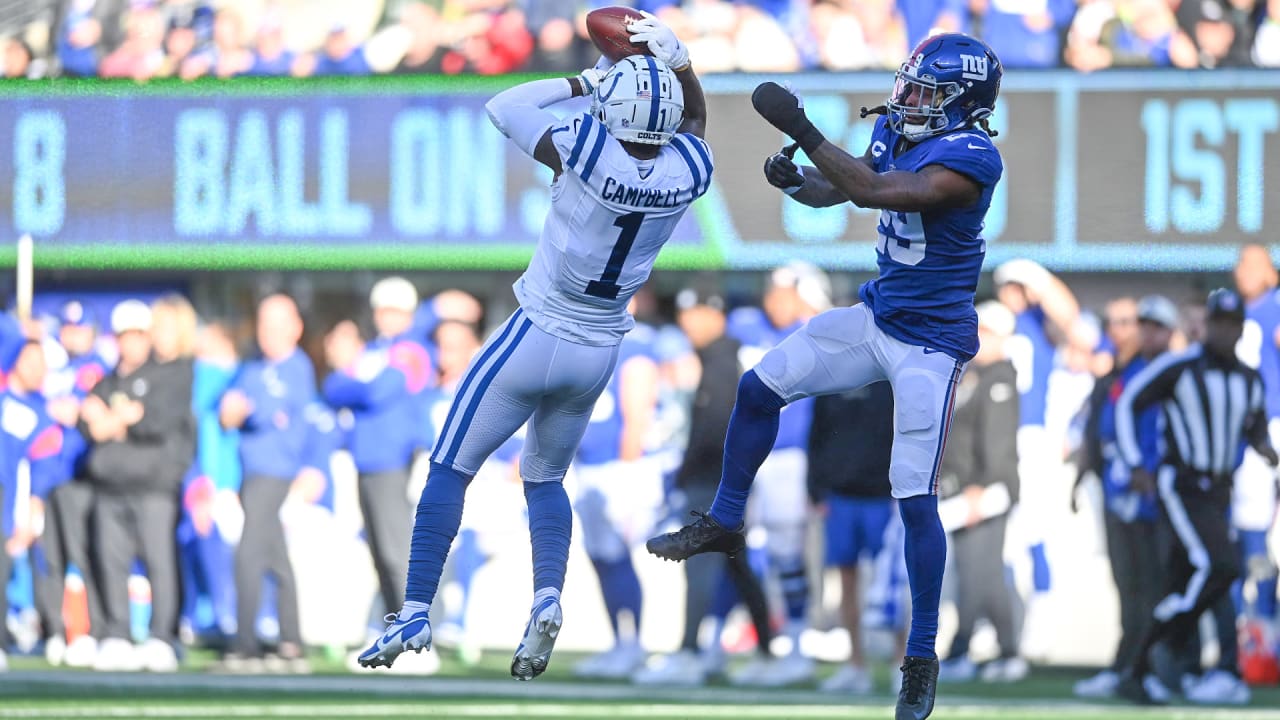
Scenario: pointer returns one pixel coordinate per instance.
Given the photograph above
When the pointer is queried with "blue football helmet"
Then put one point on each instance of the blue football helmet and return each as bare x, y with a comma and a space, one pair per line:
950, 81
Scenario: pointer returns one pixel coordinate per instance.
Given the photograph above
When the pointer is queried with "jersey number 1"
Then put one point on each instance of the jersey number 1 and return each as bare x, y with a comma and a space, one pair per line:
607, 286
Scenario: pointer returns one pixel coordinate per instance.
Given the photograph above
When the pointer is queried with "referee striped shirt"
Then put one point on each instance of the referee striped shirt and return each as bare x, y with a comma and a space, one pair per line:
1210, 407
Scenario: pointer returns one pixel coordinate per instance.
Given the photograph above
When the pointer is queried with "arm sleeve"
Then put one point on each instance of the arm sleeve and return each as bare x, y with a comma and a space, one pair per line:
47, 469
167, 409
1255, 427
101, 391
344, 390
1091, 445
520, 114
1149, 438
997, 442
1145, 389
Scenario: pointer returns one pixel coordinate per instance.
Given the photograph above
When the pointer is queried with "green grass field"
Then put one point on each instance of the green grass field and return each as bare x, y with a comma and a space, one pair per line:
32, 690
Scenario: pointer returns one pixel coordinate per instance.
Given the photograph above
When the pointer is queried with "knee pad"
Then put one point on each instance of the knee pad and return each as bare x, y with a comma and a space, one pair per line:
755, 395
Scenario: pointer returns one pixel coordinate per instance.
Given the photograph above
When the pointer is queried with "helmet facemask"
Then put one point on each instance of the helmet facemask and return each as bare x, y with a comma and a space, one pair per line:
918, 106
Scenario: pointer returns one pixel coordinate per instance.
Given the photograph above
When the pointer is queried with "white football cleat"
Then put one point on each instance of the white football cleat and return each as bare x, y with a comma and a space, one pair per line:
82, 652
534, 651
1006, 670
957, 670
413, 633
1219, 687
848, 680
790, 669
752, 671
116, 655
1102, 685
682, 669
157, 656
616, 663
55, 650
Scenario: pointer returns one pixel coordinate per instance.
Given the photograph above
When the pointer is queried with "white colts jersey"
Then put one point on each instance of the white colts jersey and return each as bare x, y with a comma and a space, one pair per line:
608, 221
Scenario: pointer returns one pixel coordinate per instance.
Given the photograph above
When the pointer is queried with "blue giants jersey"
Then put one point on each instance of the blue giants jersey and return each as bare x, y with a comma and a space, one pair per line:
602, 442
1257, 347
1032, 353
930, 262
751, 327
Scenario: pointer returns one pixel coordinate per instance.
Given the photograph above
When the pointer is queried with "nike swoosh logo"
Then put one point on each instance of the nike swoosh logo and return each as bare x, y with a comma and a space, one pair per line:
976, 147
931, 351
415, 626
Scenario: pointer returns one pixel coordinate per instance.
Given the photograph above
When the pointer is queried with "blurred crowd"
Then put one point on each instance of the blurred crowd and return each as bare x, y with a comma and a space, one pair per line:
145, 39
248, 484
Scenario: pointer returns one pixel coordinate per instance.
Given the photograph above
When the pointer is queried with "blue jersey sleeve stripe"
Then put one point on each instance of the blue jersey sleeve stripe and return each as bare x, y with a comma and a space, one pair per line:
583, 131
678, 144
655, 94
700, 146
454, 447
594, 156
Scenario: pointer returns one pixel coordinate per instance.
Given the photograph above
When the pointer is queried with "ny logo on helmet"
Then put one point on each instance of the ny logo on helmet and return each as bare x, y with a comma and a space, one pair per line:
973, 67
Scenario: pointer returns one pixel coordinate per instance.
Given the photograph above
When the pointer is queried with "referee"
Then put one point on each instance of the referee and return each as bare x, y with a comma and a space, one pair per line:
1211, 403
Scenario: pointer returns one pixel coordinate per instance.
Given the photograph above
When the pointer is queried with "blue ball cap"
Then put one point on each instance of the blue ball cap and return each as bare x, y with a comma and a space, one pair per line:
1225, 303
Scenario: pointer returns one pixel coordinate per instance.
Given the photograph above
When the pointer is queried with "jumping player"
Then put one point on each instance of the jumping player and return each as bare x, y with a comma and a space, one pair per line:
624, 175
931, 169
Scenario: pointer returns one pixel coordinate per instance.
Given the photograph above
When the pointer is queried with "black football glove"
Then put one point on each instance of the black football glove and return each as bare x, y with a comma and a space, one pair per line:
785, 111
781, 171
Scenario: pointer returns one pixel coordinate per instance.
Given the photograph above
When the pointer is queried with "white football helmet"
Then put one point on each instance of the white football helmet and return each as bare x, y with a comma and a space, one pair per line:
639, 100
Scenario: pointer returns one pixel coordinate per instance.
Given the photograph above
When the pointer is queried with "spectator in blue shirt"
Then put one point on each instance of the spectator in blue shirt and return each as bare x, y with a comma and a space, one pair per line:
78, 40
384, 385
270, 56
267, 402
1024, 34
208, 601
341, 55
28, 436
65, 541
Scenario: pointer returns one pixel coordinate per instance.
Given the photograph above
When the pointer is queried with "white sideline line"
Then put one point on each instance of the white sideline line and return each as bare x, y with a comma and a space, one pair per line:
567, 711
709, 701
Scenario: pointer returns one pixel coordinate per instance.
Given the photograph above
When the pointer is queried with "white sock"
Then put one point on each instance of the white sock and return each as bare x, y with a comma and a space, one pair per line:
543, 593
412, 608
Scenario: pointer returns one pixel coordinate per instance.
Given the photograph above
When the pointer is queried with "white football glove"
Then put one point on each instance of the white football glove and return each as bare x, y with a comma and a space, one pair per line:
662, 42
590, 79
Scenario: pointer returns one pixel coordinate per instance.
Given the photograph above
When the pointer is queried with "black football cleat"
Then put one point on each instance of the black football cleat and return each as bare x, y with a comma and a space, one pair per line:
919, 686
701, 536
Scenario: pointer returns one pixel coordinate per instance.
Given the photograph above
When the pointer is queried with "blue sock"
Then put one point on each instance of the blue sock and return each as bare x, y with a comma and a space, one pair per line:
753, 428
1040, 578
795, 587
550, 526
926, 551
725, 599
436, 524
620, 587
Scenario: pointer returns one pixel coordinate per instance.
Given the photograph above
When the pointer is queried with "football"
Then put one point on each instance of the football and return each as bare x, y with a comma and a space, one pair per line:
607, 27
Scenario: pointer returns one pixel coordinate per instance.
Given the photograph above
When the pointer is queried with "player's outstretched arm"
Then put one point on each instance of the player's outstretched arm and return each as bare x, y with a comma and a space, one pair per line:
520, 113
804, 183
932, 187
695, 103
665, 46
